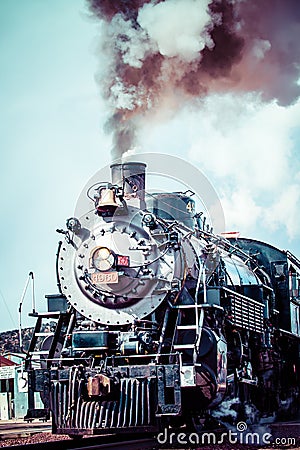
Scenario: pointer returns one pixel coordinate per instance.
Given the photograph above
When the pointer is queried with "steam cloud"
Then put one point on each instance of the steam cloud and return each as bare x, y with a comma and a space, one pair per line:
175, 52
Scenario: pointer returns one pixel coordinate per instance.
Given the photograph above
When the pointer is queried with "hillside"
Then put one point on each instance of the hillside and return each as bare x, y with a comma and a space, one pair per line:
10, 342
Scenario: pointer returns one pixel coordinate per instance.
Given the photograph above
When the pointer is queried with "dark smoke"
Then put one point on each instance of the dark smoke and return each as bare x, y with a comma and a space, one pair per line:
242, 46
125, 135
106, 9
227, 51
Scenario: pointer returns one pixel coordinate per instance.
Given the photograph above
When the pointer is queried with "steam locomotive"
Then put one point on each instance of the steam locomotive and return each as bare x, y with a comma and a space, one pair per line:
159, 321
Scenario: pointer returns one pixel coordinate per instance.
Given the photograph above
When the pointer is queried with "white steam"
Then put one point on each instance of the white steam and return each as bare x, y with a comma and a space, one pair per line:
227, 409
124, 97
174, 28
179, 28
260, 47
133, 43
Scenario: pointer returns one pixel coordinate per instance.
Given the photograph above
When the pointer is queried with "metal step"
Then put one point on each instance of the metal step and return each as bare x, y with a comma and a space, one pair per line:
187, 306
183, 346
186, 327
44, 333
50, 315
39, 352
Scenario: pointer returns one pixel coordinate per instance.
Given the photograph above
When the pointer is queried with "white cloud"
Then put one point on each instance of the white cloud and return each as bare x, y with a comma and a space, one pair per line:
285, 211
248, 149
241, 211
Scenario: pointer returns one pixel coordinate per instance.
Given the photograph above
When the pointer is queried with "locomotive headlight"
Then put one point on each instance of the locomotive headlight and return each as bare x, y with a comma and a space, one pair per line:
103, 259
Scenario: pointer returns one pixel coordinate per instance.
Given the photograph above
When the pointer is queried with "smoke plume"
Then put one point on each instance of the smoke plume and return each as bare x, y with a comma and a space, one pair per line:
175, 52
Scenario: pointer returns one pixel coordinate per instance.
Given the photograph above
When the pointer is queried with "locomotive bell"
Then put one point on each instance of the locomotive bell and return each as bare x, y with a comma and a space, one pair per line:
106, 202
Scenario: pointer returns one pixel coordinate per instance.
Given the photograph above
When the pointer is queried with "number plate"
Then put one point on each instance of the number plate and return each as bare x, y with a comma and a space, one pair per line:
105, 277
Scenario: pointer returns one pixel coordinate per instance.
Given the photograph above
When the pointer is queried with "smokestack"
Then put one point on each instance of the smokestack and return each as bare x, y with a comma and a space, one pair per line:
131, 177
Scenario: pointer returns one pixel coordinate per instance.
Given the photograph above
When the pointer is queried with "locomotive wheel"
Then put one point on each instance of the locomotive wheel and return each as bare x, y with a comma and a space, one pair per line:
200, 423
197, 423
76, 437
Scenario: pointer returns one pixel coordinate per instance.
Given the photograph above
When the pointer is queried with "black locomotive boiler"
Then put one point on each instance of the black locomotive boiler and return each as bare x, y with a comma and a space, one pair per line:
161, 322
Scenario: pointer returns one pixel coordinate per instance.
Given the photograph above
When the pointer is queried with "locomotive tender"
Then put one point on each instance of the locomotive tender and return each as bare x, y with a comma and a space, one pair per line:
160, 322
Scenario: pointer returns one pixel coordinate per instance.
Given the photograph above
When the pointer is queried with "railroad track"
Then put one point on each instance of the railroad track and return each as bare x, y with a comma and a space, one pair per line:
11, 430
279, 430
122, 442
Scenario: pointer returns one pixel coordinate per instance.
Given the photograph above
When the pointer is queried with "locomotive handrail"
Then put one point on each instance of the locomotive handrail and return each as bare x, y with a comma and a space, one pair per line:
294, 259
57, 267
246, 257
199, 306
221, 240
289, 333
30, 277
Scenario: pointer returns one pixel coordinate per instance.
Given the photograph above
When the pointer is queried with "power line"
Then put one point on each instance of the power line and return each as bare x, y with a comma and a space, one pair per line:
7, 309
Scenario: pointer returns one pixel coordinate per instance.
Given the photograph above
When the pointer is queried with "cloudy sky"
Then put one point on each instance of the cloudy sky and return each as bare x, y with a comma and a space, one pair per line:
245, 140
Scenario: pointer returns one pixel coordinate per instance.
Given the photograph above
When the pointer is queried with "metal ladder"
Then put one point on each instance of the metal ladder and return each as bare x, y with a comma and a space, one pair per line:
199, 318
33, 362
34, 353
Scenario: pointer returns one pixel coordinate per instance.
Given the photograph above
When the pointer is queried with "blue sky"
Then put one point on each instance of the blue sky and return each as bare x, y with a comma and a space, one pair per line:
52, 142
51, 137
